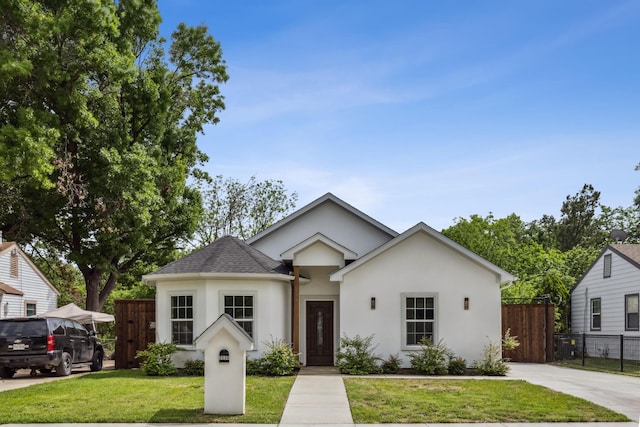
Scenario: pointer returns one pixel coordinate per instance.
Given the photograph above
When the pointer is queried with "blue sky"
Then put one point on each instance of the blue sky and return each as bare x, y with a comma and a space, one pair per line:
416, 110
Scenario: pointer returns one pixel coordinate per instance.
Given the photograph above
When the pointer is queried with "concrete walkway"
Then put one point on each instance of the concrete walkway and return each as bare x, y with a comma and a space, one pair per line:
318, 396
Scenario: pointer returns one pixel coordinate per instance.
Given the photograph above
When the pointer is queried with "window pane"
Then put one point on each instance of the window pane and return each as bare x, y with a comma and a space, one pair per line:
410, 302
228, 300
420, 302
632, 321
238, 300
632, 303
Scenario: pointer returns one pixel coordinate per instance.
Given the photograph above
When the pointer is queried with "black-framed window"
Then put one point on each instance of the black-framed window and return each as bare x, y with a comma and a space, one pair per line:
241, 308
631, 312
606, 270
596, 314
182, 319
419, 318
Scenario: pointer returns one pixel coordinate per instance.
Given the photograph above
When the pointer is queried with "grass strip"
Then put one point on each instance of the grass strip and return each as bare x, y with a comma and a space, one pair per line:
383, 400
129, 396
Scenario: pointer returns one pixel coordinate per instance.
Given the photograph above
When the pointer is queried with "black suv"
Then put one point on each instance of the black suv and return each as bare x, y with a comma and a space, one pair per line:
47, 344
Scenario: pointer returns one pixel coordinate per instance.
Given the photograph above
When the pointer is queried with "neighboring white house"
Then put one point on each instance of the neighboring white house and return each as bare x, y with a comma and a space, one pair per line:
328, 271
606, 300
24, 290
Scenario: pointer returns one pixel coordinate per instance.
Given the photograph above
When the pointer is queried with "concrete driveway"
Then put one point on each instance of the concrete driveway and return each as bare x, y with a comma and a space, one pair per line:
619, 393
23, 377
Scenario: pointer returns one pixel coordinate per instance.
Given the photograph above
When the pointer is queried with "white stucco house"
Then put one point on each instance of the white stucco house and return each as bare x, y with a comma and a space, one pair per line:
24, 289
605, 301
328, 271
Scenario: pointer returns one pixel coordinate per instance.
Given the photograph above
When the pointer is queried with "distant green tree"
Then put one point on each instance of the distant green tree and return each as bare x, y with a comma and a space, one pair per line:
577, 225
241, 209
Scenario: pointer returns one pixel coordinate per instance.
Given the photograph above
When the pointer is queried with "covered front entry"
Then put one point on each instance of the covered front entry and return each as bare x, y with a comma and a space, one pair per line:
319, 333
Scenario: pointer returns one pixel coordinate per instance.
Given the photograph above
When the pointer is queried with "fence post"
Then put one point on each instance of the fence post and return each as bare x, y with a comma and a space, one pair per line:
546, 327
621, 353
584, 346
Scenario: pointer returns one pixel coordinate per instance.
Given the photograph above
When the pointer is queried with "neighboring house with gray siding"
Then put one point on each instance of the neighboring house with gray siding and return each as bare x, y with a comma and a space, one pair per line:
606, 300
24, 290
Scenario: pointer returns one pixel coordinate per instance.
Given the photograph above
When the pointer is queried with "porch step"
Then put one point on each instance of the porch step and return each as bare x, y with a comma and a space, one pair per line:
319, 370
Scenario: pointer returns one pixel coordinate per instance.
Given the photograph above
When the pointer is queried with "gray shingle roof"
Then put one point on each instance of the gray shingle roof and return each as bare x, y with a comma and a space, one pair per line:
226, 255
630, 251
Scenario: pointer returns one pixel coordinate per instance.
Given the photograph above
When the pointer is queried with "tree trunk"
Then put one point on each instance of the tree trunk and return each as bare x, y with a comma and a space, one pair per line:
92, 281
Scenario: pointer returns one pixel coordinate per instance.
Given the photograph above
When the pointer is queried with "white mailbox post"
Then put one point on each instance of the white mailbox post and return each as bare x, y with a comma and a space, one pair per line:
225, 345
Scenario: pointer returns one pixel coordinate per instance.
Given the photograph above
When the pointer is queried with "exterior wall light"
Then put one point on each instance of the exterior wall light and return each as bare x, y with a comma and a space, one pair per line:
373, 303
466, 303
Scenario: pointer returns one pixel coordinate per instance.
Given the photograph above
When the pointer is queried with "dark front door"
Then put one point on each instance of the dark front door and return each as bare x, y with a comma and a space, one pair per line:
320, 333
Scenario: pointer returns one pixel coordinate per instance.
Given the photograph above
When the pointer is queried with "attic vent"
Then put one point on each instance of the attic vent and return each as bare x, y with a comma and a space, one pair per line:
607, 266
13, 269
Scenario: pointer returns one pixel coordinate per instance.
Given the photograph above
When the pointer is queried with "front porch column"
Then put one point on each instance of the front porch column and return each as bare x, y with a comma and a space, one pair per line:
295, 309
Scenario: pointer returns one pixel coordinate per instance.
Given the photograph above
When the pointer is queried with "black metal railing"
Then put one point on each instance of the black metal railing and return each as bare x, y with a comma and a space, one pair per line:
606, 352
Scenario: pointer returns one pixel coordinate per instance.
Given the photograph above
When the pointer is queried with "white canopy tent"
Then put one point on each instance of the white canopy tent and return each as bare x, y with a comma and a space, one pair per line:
73, 312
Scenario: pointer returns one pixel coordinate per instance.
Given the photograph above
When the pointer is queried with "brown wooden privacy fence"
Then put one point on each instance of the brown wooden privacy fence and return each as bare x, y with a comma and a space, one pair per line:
135, 328
534, 326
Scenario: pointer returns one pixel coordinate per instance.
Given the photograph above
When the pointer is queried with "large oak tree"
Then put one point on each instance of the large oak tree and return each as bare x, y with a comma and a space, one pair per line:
98, 131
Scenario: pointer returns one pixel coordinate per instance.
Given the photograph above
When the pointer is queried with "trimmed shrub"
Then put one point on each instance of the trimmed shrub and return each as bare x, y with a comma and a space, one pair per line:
431, 359
194, 367
156, 359
457, 366
254, 367
279, 360
492, 363
391, 365
355, 356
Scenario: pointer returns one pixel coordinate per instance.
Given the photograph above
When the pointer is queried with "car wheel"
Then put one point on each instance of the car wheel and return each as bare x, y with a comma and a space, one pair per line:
64, 368
7, 372
96, 363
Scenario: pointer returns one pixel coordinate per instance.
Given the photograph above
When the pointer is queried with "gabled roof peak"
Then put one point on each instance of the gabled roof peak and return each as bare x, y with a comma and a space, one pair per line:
327, 197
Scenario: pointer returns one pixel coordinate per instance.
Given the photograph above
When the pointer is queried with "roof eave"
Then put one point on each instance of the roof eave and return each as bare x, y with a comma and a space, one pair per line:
152, 279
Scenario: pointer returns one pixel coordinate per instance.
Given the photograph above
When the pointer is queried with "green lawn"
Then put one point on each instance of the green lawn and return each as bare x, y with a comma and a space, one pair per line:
612, 366
128, 396
429, 400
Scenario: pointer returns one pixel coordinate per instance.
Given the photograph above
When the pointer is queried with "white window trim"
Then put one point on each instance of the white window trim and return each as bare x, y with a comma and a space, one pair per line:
592, 313
193, 319
253, 294
403, 319
26, 303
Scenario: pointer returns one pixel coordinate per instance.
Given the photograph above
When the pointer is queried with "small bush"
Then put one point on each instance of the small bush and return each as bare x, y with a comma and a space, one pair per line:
194, 367
279, 360
457, 366
254, 366
492, 363
355, 356
431, 359
391, 365
156, 359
